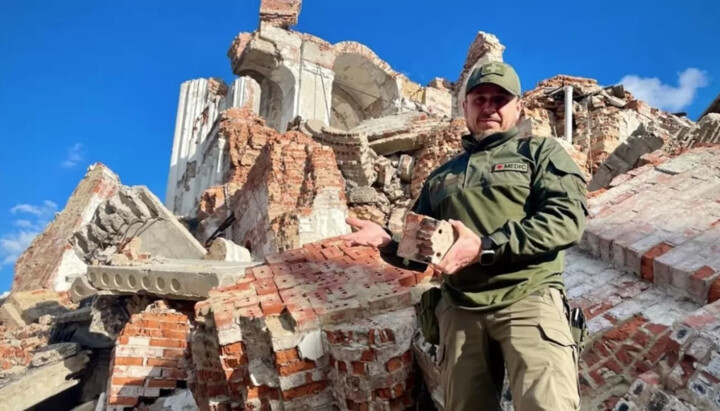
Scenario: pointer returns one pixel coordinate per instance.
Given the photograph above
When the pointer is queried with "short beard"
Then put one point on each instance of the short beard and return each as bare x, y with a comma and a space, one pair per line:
483, 133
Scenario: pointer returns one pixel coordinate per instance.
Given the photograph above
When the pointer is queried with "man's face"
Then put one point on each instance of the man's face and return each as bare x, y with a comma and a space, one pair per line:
490, 109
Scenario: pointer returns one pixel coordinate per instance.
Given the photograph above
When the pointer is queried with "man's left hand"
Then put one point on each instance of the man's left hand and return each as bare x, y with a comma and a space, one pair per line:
464, 252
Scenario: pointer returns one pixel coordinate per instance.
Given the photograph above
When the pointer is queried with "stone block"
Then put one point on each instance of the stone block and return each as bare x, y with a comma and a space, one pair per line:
405, 168
222, 249
24, 307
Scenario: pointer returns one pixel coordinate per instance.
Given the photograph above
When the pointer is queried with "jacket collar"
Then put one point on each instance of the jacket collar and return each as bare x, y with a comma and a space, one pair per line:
493, 140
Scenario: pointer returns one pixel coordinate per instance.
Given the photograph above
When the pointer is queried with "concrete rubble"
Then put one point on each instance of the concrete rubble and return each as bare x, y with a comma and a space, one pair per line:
240, 295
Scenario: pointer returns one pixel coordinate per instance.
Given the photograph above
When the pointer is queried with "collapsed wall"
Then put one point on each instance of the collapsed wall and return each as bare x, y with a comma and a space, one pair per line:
100, 218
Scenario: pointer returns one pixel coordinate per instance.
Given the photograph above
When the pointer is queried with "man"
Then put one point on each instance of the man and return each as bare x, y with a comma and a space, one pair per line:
515, 204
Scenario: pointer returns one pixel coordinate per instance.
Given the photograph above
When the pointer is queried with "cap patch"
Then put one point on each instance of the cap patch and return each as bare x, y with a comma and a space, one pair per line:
493, 68
521, 167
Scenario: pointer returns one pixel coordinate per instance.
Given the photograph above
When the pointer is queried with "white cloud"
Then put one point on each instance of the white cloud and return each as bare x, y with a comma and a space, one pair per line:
13, 243
47, 208
73, 157
23, 223
667, 97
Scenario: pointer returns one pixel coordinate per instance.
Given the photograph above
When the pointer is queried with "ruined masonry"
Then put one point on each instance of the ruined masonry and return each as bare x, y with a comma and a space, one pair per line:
237, 293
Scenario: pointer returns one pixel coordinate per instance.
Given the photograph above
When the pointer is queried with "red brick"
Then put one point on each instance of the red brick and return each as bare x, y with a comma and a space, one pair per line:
658, 349
594, 310
173, 353
295, 367
167, 342
261, 272
157, 362
331, 253
642, 367
172, 326
252, 311
162, 383
698, 321
175, 334
590, 357
359, 368
625, 330
627, 353
271, 304
655, 329
641, 338
234, 362
368, 355
150, 324
650, 256
123, 381
394, 364
714, 293
286, 356
265, 286
611, 364
128, 360
128, 401
597, 378
233, 349
611, 402
407, 280
702, 273
304, 390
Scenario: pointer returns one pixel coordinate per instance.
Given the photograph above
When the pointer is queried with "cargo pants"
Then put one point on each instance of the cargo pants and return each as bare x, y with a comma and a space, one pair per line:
531, 338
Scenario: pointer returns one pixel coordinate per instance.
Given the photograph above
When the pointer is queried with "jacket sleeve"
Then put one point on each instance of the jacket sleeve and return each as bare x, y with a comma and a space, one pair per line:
559, 204
389, 252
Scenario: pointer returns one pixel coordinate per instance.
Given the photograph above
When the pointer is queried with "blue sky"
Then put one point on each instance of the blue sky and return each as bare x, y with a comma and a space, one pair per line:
98, 81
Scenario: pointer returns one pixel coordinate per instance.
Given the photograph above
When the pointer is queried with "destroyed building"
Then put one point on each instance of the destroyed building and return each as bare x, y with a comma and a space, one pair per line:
237, 294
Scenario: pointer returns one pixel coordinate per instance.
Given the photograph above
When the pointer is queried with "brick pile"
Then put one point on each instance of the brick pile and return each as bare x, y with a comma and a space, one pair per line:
689, 368
335, 321
603, 118
149, 358
18, 344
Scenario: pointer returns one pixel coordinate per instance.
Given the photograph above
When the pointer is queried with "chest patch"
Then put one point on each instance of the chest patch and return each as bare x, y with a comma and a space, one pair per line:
521, 167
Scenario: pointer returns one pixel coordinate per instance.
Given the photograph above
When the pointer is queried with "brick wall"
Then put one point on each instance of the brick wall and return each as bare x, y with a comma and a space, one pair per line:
282, 13
291, 173
149, 356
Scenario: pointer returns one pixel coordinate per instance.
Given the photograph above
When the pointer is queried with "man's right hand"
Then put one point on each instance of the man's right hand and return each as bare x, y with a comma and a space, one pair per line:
366, 233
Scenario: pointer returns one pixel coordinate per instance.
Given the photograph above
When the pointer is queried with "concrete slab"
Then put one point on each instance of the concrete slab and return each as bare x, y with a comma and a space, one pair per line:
37, 384
173, 278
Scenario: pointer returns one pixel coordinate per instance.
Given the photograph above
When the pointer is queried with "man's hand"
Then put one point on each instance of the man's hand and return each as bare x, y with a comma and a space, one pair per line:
464, 252
367, 233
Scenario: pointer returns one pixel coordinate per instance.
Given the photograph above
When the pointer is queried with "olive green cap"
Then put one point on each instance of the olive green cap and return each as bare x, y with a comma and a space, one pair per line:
495, 72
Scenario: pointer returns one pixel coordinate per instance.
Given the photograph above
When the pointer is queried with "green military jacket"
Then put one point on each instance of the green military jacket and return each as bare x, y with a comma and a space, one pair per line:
528, 196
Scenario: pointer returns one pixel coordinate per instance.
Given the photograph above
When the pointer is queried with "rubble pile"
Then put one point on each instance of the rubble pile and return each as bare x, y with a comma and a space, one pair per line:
603, 118
241, 295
